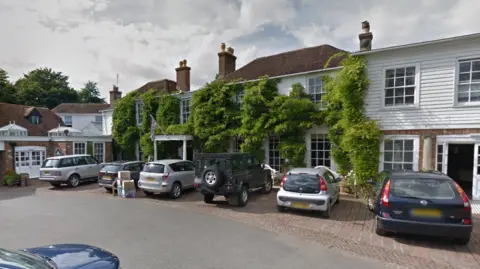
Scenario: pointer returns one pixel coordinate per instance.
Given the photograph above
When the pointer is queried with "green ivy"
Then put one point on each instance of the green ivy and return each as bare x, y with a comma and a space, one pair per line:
124, 129
216, 115
291, 116
356, 138
255, 114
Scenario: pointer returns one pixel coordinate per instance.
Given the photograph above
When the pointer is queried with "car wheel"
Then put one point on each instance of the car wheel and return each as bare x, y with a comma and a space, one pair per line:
208, 198
148, 193
281, 208
212, 178
243, 196
268, 185
326, 214
176, 190
462, 241
55, 185
74, 181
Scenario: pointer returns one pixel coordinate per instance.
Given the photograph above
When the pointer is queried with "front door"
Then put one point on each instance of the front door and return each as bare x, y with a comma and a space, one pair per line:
476, 174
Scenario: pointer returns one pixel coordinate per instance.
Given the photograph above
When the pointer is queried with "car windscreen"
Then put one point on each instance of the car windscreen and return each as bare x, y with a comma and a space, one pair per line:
51, 163
22, 259
433, 189
112, 168
304, 183
154, 168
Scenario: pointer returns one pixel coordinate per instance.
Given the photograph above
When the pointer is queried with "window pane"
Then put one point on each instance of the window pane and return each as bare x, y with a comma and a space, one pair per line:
474, 96
399, 82
462, 97
476, 77
409, 100
389, 92
476, 66
399, 92
400, 72
410, 81
388, 157
389, 83
464, 77
408, 166
387, 166
388, 101
410, 71
390, 73
408, 145
465, 67
463, 88
408, 157
388, 145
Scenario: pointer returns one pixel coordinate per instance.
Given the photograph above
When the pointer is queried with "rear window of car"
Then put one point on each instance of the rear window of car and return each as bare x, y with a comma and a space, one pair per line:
112, 168
154, 168
309, 183
51, 163
436, 189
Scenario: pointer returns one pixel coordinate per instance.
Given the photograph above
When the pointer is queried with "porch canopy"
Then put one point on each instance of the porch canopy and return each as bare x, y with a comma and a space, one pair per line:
183, 138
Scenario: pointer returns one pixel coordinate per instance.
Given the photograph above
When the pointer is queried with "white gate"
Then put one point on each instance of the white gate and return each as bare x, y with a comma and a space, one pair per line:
476, 174
29, 160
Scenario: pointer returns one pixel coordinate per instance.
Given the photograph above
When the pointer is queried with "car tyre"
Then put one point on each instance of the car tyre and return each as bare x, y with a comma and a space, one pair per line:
281, 208
74, 181
379, 231
242, 197
208, 198
268, 186
462, 241
327, 213
176, 190
212, 177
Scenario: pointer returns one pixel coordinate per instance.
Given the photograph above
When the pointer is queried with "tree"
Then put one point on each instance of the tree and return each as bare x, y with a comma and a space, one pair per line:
90, 94
8, 92
45, 87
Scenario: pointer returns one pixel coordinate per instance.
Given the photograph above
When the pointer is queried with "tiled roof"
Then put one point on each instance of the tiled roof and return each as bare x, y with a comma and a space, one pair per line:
158, 85
80, 108
19, 115
290, 62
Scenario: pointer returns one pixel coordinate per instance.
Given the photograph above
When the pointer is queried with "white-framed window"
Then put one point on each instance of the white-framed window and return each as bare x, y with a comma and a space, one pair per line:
99, 119
139, 152
399, 153
185, 110
238, 143
439, 160
320, 150
274, 159
99, 151
139, 111
468, 88
80, 148
316, 90
239, 97
34, 119
401, 86
68, 120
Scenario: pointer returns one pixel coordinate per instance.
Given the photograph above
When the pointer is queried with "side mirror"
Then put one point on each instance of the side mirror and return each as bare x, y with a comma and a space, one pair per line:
262, 166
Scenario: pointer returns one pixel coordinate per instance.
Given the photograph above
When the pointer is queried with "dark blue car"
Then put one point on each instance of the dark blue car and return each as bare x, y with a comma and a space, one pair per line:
424, 203
64, 256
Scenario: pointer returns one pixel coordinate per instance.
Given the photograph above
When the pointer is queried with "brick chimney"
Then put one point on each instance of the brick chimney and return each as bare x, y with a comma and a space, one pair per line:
365, 37
115, 94
226, 61
183, 76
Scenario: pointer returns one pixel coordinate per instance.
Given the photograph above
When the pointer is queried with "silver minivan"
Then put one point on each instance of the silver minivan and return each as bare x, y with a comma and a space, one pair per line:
167, 176
314, 189
70, 169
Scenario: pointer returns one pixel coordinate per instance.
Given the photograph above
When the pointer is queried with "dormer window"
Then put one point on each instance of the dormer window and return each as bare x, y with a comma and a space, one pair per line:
34, 119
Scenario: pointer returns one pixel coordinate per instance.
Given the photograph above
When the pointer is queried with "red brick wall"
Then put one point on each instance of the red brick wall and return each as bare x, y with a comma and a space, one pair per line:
433, 133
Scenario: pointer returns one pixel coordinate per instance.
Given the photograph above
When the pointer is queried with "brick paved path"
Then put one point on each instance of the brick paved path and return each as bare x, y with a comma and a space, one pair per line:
350, 228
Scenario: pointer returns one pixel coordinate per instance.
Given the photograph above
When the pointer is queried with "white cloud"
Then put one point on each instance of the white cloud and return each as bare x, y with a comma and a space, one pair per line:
143, 40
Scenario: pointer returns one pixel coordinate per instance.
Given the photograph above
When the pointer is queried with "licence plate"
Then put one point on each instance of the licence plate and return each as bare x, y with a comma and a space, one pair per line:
107, 178
300, 205
46, 173
429, 213
149, 179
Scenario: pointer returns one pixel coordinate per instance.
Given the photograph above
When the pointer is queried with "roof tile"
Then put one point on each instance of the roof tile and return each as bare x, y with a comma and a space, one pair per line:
80, 108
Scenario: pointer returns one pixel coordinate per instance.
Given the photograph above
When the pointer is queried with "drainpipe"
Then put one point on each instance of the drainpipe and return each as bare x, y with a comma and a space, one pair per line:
427, 153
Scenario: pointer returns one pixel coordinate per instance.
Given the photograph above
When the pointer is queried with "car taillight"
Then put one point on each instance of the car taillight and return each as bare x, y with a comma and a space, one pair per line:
99, 174
467, 221
466, 202
323, 185
283, 180
165, 176
386, 193
57, 173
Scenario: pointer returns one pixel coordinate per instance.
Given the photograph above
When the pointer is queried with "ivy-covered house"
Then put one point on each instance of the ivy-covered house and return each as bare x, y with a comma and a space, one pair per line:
273, 106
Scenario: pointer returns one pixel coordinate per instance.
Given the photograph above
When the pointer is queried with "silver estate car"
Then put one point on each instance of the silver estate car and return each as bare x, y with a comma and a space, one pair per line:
70, 169
313, 189
167, 176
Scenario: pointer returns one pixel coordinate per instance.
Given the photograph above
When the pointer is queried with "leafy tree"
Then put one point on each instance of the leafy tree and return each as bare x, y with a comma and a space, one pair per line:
45, 87
124, 130
90, 94
8, 92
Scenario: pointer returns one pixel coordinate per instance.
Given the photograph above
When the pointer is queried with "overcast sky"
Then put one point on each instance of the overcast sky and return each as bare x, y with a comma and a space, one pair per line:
143, 40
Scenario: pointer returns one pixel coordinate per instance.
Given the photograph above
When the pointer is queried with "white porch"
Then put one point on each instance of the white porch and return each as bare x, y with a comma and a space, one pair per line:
163, 138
